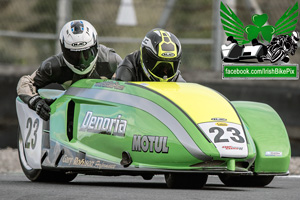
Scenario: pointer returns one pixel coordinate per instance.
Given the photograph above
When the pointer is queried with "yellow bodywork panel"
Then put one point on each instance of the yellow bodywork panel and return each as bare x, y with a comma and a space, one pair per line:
199, 102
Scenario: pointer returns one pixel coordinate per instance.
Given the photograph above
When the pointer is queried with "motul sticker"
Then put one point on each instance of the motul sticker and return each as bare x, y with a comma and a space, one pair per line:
149, 143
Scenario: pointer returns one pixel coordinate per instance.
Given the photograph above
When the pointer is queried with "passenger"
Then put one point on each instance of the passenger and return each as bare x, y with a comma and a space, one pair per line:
157, 60
81, 57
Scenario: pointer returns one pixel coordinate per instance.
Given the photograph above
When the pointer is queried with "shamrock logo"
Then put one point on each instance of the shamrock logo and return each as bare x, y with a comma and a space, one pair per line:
234, 27
254, 31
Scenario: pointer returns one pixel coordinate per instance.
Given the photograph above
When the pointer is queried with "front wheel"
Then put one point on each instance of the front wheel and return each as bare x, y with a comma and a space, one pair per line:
187, 181
277, 55
246, 181
40, 175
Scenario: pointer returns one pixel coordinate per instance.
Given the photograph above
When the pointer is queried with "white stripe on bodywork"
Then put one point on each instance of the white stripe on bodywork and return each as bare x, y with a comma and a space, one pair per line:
145, 105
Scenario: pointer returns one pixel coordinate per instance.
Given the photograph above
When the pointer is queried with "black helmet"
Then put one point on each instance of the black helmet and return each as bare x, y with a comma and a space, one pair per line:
160, 55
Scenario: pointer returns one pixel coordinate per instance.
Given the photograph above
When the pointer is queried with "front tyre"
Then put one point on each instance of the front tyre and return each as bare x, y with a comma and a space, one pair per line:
246, 181
277, 55
186, 181
40, 175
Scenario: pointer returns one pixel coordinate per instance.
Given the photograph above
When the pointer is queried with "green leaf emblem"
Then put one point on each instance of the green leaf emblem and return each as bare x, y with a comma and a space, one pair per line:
266, 31
234, 27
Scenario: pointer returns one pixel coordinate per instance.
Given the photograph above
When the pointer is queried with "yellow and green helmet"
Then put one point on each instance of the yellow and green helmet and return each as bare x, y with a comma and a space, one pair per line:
160, 55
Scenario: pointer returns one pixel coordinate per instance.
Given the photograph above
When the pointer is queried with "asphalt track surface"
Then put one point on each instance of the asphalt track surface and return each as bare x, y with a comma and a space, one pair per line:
16, 186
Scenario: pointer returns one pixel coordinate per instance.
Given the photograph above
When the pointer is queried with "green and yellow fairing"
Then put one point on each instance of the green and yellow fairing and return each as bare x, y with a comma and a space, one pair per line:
170, 126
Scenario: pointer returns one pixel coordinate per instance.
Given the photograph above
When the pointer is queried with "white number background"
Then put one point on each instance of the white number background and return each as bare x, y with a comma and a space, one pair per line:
230, 143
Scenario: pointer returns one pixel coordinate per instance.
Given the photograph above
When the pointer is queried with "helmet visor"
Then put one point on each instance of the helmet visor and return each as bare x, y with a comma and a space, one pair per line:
163, 68
81, 60
158, 67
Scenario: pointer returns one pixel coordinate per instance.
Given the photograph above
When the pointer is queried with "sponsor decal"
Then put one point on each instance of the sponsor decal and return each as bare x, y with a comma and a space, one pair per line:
144, 84
79, 44
232, 148
75, 161
104, 125
273, 153
146, 40
149, 143
168, 54
218, 119
221, 124
110, 84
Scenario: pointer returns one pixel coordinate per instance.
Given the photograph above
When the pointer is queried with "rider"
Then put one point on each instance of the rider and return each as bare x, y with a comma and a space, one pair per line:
288, 43
81, 57
157, 60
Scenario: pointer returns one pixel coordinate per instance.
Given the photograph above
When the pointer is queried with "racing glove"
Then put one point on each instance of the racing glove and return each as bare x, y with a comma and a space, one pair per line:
41, 106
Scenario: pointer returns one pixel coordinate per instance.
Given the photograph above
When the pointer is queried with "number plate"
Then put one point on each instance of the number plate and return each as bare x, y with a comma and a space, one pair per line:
229, 138
31, 130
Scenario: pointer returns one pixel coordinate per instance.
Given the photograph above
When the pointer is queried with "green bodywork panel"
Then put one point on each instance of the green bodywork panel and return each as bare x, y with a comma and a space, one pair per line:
263, 128
269, 135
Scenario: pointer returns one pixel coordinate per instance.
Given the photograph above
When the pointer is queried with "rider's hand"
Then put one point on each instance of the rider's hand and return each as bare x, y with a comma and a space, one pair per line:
41, 106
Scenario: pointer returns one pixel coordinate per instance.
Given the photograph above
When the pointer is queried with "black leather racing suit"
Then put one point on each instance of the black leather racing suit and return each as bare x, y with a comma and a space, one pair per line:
130, 69
55, 70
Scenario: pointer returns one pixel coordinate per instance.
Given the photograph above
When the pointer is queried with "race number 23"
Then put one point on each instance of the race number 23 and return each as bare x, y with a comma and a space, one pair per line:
230, 131
32, 127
